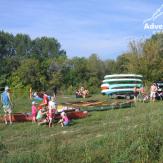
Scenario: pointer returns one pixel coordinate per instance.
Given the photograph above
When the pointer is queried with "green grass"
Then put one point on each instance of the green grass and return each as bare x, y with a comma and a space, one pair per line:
121, 135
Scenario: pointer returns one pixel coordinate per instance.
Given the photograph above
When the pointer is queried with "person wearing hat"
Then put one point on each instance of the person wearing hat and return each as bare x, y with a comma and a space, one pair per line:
34, 111
7, 104
64, 121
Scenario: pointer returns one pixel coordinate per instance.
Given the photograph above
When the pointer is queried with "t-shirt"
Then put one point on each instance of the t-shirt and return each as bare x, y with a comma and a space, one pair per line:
52, 105
65, 119
5, 98
34, 109
45, 99
39, 115
52, 108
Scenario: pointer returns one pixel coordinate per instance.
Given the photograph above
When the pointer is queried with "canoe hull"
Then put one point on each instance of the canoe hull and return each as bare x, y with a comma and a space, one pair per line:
26, 117
18, 117
74, 115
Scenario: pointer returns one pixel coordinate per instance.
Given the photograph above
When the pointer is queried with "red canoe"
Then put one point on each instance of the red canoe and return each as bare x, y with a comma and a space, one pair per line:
19, 117
74, 115
24, 117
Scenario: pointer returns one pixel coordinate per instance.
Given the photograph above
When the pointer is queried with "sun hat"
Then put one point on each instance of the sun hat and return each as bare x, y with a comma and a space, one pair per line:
6, 88
63, 113
33, 102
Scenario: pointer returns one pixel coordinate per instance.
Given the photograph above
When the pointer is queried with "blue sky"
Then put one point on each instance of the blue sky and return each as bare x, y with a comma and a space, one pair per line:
82, 27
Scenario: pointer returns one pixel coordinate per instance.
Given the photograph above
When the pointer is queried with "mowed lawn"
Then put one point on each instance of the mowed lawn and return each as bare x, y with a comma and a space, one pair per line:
118, 135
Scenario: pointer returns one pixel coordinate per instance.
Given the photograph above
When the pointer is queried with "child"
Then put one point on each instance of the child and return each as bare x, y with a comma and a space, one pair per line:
64, 121
34, 111
42, 116
51, 110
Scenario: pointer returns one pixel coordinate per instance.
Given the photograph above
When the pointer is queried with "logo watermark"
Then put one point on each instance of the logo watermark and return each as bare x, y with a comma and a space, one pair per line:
149, 24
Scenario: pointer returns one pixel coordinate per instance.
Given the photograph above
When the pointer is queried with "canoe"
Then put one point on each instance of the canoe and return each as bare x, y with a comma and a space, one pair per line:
19, 117
122, 76
90, 106
25, 117
37, 98
78, 114
86, 103
66, 108
105, 86
121, 80
121, 84
105, 107
118, 91
74, 115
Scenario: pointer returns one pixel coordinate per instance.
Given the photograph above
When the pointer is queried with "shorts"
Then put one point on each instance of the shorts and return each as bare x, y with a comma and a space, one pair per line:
34, 114
7, 109
153, 94
50, 119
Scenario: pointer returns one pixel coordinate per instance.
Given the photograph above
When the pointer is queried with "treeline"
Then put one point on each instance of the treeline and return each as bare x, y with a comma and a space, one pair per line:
41, 63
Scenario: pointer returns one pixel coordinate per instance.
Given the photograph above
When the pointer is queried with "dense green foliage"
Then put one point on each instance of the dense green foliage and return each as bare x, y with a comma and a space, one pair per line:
121, 135
42, 64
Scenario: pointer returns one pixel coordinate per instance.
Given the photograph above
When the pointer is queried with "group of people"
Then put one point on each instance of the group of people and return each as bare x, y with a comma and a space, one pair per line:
139, 93
43, 113
82, 93
46, 111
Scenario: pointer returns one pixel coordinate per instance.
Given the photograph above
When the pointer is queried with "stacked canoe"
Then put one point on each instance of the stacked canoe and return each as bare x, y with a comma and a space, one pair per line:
121, 84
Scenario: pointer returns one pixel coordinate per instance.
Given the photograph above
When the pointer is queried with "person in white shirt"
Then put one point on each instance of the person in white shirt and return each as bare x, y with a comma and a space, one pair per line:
52, 108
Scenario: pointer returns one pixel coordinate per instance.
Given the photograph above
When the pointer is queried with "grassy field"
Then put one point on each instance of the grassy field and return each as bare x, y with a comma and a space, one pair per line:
121, 135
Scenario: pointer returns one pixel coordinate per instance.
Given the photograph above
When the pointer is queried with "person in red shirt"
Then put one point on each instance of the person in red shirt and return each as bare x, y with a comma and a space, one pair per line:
45, 100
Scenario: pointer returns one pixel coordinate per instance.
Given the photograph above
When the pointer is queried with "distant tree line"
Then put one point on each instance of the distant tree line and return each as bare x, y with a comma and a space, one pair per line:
41, 63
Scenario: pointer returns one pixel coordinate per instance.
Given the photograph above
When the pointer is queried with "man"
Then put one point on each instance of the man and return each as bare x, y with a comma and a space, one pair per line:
7, 104
153, 91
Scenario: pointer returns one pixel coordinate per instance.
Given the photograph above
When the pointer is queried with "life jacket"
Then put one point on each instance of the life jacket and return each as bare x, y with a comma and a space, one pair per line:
5, 98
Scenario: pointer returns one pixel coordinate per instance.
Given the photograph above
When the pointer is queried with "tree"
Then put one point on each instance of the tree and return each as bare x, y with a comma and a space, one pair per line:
110, 67
22, 45
121, 63
152, 61
29, 73
6, 45
95, 66
46, 47
144, 58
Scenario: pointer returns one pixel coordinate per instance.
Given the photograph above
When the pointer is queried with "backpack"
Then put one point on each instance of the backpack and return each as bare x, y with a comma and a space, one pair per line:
5, 98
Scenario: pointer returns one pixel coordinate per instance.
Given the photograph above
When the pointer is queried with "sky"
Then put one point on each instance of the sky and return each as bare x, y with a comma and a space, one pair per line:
83, 27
